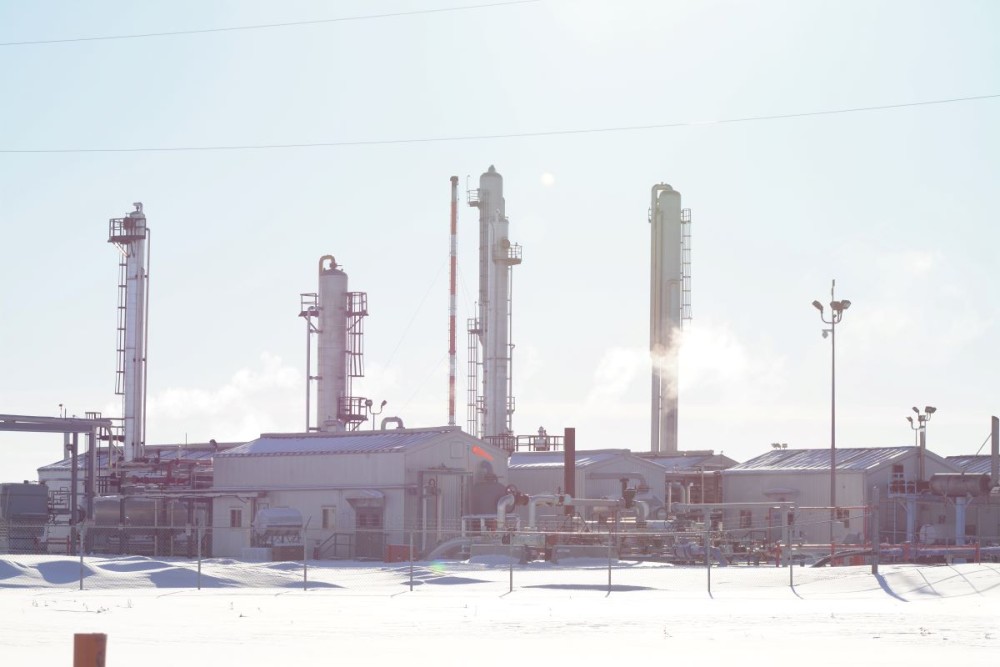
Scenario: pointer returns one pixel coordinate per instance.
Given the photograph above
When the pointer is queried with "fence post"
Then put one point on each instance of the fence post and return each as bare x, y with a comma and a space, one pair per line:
510, 559
876, 531
609, 561
305, 557
89, 650
82, 536
791, 536
411, 560
708, 557
198, 531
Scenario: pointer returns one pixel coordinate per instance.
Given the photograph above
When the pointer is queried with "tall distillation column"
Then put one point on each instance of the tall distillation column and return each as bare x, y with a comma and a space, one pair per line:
497, 256
670, 306
129, 234
331, 345
338, 327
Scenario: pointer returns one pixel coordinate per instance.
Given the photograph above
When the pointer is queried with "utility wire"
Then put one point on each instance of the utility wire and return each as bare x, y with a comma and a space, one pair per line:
512, 135
265, 26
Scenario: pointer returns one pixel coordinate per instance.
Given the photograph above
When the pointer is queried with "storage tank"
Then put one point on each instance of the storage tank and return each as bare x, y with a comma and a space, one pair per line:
24, 512
956, 484
277, 523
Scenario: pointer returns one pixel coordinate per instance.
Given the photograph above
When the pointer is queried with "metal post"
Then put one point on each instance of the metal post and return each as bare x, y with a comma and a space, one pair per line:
199, 554
510, 559
82, 535
609, 561
411, 561
708, 559
876, 532
833, 425
305, 557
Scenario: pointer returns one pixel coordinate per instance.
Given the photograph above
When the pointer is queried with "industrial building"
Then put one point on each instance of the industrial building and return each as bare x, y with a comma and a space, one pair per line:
597, 474
802, 476
354, 492
692, 476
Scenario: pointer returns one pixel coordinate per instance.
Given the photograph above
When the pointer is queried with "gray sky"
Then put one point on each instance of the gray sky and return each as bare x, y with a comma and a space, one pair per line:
897, 204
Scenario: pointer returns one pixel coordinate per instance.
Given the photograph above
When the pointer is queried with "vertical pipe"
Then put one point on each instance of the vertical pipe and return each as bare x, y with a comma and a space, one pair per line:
452, 355
308, 369
994, 451
74, 481
569, 464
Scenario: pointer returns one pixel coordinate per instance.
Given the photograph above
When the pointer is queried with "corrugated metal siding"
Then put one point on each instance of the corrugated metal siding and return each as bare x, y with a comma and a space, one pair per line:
856, 458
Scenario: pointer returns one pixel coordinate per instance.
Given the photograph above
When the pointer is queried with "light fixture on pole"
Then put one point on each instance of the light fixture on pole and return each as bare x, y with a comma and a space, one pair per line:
920, 437
373, 413
837, 309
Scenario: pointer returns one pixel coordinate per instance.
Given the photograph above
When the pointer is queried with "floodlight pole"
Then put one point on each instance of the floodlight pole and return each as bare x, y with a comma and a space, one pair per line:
837, 309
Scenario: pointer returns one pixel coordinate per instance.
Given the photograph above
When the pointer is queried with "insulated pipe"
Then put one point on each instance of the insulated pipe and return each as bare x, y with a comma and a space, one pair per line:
392, 420
502, 510
545, 499
642, 513
620, 475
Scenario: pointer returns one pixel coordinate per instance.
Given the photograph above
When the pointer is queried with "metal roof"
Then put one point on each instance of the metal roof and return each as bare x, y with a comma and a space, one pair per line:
541, 460
352, 442
681, 463
848, 458
154, 454
978, 465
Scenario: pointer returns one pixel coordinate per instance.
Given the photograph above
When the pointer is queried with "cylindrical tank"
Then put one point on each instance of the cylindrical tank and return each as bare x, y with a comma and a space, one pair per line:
274, 521
956, 484
108, 511
331, 345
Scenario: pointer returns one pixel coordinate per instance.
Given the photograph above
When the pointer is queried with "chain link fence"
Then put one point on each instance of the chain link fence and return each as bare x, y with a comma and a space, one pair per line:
610, 557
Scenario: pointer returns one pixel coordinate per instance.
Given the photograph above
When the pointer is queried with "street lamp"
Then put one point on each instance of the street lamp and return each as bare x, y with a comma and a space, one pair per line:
920, 431
837, 309
373, 413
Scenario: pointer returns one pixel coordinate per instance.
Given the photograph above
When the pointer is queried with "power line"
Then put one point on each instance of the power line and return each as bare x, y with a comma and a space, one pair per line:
266, 26
485, 137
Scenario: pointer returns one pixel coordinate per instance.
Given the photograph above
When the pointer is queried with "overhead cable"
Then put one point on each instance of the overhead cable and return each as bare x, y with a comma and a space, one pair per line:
511, 135
265, 26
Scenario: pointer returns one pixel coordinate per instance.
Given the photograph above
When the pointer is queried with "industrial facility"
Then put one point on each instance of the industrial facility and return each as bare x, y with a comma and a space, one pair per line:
342, 487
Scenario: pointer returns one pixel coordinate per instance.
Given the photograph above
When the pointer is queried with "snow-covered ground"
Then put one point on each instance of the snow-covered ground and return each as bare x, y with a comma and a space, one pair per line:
463, 614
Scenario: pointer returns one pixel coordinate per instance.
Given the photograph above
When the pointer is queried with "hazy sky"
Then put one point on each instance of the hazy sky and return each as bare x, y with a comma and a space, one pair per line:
899, 205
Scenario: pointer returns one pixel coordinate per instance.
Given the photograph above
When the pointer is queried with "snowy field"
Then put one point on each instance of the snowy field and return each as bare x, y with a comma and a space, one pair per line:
463, 614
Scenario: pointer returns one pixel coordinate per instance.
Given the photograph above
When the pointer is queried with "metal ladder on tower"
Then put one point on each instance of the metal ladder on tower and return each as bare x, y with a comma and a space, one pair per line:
122, 313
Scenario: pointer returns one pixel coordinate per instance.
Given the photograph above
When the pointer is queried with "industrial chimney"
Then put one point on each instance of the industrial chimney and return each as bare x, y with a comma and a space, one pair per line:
670, 307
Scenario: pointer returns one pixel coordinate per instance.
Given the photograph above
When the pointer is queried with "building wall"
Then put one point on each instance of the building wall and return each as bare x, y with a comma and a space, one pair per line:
426, 489
808, 489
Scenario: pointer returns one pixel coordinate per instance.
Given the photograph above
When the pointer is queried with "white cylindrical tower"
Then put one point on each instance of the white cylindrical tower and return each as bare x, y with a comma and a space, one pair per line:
496, 257
331, 346
130, 235
665, 314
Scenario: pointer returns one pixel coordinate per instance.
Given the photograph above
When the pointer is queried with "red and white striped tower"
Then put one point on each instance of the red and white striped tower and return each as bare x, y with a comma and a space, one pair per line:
452, 356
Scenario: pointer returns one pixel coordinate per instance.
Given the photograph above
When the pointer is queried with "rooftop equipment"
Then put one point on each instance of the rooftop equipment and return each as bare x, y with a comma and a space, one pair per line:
670, 307
130, 235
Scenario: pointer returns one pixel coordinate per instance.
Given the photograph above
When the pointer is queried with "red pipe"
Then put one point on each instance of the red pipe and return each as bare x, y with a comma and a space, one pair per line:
452, 358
